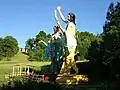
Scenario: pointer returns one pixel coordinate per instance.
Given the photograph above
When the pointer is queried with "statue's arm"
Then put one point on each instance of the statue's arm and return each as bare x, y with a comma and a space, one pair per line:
57, 21
43, 42
61, 15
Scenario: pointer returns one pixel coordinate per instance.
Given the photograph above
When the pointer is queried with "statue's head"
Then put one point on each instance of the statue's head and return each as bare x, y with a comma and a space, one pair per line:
71, 17
56, 28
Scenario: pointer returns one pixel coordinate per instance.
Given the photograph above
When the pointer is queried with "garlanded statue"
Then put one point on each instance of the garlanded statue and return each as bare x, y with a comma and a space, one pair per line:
71, 43
55, 49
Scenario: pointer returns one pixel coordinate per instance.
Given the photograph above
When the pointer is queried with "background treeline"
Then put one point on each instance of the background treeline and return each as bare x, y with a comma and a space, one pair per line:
36, 50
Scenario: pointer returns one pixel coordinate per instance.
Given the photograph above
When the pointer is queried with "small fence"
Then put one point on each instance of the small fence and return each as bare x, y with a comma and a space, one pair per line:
19, 70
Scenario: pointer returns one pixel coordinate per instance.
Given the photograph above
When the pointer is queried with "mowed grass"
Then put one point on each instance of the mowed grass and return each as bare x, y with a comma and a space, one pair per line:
6, 66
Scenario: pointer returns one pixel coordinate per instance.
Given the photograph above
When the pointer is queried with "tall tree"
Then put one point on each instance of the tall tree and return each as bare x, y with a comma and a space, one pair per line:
1, 48
95, 53
36, 50
111, 38
112, 18
84, 40
9, 46
30, 43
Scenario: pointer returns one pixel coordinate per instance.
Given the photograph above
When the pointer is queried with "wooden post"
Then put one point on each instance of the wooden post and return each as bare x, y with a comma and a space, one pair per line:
20, 69
25, 70
28, 70
13, 71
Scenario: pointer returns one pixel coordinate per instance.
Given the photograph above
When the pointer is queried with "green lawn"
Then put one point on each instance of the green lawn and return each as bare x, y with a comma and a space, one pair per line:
6, 66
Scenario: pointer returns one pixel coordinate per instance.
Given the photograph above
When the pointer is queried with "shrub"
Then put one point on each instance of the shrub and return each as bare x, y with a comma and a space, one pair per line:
21, 83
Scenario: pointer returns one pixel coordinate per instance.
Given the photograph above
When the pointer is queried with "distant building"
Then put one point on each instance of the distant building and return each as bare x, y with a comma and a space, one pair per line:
24, 50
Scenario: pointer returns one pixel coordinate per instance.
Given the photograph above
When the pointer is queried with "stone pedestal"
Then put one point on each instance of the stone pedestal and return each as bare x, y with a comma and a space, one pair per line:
71, 79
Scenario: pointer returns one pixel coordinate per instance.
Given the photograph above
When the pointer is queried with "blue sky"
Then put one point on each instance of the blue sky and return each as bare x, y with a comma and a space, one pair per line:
23, 19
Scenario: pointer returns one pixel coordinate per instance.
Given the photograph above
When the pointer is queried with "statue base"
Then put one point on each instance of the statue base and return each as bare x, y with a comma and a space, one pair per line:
71, 79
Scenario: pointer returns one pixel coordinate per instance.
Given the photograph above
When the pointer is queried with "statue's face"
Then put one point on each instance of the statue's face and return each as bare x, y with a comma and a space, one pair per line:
55, 29
68, 17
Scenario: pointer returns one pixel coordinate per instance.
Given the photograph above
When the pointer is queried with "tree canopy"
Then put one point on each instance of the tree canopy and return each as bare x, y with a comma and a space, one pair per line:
8, 47
36, 50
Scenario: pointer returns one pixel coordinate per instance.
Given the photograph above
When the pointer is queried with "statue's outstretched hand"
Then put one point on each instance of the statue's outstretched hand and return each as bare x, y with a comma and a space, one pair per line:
58, 8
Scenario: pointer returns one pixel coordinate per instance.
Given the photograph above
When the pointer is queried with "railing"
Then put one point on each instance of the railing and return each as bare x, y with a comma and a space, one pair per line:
17, 70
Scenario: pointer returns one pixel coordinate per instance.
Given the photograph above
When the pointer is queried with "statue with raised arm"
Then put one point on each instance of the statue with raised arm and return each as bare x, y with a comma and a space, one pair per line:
71, 43
54, 49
